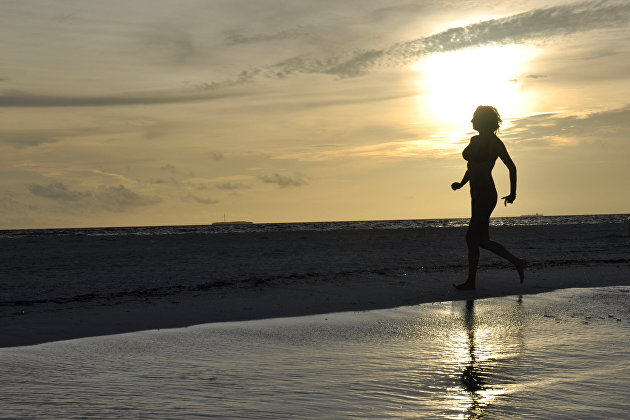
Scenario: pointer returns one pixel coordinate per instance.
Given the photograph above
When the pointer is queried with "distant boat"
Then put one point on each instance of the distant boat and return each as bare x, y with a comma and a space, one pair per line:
531, 215
234, 222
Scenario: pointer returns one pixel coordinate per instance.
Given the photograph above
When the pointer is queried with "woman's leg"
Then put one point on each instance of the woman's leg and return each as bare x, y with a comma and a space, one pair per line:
472, 242
496, 247
478, 236
500, 250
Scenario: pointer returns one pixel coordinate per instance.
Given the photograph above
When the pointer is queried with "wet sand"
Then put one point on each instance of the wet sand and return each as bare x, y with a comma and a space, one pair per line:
561, 354
64, 288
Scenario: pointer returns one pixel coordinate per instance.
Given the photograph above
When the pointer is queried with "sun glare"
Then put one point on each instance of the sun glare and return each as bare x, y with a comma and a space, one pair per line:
452, 84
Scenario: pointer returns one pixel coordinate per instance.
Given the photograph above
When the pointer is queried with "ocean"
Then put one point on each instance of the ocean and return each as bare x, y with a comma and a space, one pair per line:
527, 220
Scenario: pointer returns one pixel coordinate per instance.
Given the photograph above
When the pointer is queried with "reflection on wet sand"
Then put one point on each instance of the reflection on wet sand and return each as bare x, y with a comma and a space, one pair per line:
558, 355
473, 377
484, 354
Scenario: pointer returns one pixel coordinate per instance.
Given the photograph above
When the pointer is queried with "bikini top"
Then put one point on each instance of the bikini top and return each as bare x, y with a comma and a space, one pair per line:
480, 152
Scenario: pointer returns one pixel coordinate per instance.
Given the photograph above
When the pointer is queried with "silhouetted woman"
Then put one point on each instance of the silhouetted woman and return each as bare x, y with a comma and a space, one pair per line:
481, 154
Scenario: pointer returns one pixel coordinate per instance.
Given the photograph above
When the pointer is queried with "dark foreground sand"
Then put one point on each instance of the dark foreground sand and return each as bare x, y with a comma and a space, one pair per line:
64, 288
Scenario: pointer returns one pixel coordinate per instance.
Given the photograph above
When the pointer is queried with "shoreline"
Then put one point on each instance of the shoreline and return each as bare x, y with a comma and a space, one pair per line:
63, 321
59, 288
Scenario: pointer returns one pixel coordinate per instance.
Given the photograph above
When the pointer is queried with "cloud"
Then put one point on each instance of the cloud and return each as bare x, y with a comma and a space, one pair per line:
531, 25
169, 168
535, 24
284, 181
405, 11
13, 208
243, 77
119, 198
300, 32
606, 128
107, 198
57, 191
27, 139
202, 200
216, 155
26, 99
169, 42
232, 186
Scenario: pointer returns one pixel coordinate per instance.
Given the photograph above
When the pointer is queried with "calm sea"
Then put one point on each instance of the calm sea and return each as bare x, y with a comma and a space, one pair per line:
535, 220
558, 355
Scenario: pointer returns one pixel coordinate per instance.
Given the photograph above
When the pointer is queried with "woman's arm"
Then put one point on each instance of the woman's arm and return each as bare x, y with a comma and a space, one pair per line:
458, 185
507, 160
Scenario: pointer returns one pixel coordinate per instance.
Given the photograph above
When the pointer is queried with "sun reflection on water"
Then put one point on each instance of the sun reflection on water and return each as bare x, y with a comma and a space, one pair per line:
478, 354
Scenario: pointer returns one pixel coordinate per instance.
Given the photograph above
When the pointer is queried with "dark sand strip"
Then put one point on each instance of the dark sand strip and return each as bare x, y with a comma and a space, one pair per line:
34, 324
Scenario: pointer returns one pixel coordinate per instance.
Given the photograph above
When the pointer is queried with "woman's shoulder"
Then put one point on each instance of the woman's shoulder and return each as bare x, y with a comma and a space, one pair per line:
497, 141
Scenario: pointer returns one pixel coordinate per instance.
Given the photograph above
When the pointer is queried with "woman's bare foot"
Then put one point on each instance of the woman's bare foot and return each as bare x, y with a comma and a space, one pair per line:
467, 285
520, 267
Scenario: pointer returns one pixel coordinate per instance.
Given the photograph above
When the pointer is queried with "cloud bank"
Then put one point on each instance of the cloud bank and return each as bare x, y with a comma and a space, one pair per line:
108, 198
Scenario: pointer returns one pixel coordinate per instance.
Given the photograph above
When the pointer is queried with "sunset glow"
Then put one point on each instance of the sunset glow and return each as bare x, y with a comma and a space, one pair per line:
166, 112
452, 84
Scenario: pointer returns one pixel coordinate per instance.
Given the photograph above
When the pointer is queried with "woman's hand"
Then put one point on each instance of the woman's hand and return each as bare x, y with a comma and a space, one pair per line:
456, 186
508, 199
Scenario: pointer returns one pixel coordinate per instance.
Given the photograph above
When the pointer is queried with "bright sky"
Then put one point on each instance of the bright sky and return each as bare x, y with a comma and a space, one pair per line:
158, 112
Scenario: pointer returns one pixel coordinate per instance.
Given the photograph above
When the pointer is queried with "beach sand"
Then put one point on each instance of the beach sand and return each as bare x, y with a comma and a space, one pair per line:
58, 288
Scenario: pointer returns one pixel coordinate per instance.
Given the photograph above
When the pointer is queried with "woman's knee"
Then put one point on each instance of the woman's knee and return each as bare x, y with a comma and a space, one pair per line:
472, 238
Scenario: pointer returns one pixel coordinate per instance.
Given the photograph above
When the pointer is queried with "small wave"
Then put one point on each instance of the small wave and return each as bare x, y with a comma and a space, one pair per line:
315, 226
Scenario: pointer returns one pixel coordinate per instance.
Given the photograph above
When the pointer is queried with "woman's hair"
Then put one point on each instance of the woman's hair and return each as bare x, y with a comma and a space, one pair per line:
487, 117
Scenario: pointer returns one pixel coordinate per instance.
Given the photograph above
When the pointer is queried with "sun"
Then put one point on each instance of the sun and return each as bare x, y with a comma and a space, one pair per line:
452, 84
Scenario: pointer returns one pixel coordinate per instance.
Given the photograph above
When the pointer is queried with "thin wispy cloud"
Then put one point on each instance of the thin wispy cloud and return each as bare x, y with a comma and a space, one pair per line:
539, 131
303, 33
25, 99
202, 200
22, 140
168, 43
430, 147
523, 27
535, 76
169, 168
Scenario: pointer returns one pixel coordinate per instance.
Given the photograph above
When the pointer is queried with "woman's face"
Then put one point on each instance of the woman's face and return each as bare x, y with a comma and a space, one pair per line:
474, 123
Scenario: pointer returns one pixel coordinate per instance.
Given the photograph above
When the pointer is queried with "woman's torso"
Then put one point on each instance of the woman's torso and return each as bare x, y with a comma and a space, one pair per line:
481, 154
